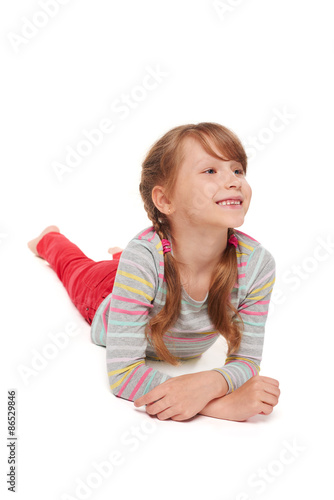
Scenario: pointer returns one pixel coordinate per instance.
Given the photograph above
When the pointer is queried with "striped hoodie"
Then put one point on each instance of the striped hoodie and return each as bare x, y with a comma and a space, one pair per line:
139, 293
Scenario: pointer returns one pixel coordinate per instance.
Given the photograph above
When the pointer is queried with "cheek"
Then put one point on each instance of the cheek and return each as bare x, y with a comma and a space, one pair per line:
248, 197
202, 195
247, 190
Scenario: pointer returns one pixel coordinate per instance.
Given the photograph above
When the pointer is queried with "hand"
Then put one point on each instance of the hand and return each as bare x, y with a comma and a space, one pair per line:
179, 398
258, 395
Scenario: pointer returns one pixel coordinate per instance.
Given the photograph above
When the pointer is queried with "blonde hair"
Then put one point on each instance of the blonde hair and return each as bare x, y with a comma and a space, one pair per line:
160, 167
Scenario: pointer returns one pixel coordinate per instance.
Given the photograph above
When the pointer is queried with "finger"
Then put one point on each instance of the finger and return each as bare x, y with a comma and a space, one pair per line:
178, 418
164, 415
139, 402
269, 399
150, 397
272, 389
157, 407
266, 409
269, 380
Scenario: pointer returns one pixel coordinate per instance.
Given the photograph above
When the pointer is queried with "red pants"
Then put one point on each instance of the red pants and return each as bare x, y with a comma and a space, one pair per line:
86, 281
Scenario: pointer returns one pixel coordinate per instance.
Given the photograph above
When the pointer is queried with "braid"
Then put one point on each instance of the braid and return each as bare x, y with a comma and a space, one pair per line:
159, 228
169, 314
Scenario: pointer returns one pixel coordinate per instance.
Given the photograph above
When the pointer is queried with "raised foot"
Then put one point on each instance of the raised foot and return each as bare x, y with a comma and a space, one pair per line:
32, 244
114, 250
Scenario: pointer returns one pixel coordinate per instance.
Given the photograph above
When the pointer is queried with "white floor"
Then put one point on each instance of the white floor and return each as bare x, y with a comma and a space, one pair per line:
75, 435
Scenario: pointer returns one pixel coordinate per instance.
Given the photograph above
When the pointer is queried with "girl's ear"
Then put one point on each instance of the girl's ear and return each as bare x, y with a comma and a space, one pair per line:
160, 200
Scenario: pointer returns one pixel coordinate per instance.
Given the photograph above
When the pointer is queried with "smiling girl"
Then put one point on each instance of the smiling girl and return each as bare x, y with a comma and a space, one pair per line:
181, 283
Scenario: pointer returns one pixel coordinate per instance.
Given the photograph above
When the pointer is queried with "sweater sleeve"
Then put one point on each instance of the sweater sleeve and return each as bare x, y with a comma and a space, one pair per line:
260, 278
135, 286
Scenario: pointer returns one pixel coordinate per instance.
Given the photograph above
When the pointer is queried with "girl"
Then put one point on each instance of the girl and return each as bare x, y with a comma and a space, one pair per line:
180, 283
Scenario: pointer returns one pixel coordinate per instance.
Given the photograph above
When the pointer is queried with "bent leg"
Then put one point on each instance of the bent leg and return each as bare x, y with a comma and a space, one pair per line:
87, 282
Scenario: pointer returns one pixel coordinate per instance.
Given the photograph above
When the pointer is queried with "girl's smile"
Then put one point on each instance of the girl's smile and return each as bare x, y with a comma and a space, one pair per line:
228, 205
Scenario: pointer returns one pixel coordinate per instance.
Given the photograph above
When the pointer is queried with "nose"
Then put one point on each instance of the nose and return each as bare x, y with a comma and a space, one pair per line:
231, 180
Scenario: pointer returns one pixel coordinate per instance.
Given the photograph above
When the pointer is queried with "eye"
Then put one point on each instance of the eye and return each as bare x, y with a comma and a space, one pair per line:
241, 170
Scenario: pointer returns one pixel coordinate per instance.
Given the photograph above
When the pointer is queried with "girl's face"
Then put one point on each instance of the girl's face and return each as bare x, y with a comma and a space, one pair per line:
202, 182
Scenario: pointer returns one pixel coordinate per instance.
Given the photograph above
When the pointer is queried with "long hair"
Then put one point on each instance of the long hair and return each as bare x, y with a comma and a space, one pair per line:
160, 167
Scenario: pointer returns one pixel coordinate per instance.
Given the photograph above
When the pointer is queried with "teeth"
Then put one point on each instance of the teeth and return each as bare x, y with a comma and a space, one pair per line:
232, 202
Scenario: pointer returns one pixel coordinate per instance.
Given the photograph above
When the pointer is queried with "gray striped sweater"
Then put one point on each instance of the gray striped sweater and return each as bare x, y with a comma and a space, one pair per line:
139, 293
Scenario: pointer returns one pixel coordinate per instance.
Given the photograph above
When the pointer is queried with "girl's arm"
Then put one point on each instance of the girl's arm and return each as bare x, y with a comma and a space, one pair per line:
259, 282
134, 290
258, 395
183, 397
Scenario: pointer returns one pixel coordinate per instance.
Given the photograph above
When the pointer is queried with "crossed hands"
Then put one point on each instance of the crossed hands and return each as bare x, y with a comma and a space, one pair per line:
178, 398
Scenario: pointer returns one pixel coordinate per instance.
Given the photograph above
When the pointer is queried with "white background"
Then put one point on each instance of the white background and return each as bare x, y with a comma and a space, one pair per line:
239, 65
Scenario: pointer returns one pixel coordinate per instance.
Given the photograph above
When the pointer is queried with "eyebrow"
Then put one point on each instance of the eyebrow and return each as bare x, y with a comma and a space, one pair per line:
212, 158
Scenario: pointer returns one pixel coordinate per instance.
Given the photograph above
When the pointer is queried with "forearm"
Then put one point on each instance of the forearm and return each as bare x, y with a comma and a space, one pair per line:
215, 384
218, 408
257, 396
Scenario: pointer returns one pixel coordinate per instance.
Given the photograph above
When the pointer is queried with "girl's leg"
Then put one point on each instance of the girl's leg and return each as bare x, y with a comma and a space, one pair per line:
86, 281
